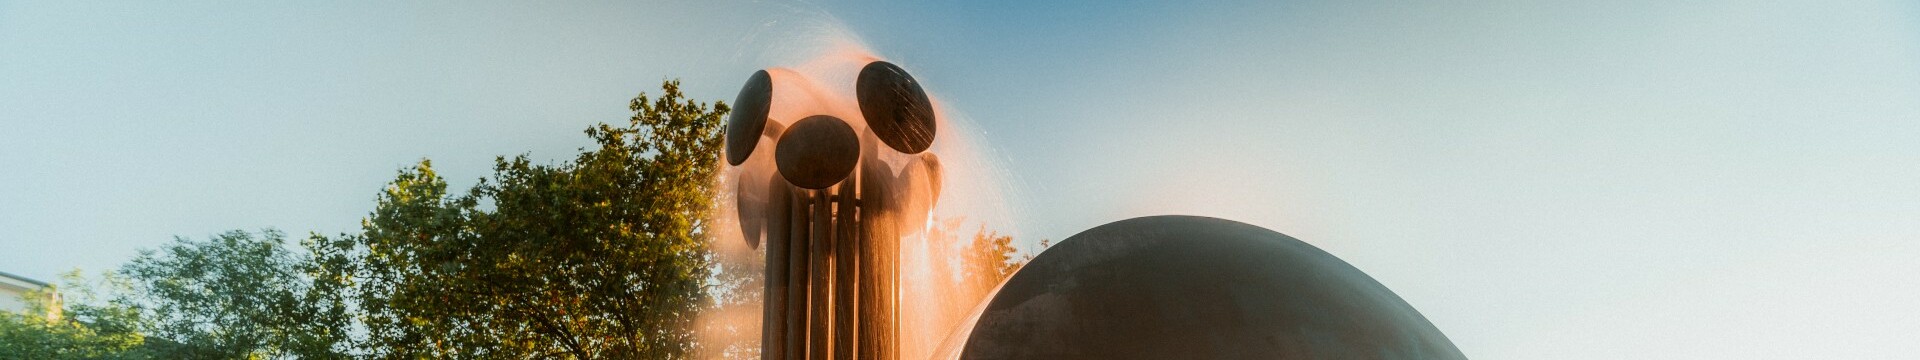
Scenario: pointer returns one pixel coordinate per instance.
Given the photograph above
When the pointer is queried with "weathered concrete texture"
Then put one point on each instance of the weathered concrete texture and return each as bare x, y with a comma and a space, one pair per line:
1185, 287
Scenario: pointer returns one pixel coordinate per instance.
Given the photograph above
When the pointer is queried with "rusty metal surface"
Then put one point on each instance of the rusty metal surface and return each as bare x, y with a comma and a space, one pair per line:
896, 107
817, 152
748, 119
879, 261
799, 276
846, 266
820, 257
1185, 287
779, 219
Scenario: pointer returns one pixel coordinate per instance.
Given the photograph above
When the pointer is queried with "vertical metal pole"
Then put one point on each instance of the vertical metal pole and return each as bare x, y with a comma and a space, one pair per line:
886, 254
846, 255
798, 292
878, 336
773, 334
820, 330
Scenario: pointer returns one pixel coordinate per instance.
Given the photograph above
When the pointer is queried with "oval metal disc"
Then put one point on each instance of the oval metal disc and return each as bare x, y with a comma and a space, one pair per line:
878, 199
749, 117
750, 201
877, 186
817, 152
896, 107
918, 193
932, 165
779, 212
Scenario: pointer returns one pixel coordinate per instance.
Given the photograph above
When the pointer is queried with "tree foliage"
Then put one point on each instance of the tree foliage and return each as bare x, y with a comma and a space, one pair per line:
90, 326
237, 296
603, 256
963, 268
990, 259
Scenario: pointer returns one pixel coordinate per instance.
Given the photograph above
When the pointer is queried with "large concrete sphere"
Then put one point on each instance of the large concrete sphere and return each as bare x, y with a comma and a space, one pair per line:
1186, 287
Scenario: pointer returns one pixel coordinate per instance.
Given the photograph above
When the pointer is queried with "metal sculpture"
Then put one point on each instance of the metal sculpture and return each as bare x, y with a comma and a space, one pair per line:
896, 107
1188, 287
833, 215
748, 120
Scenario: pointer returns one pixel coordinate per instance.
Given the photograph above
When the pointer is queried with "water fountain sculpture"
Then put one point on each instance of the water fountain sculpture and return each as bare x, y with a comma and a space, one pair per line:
1146, 288
831, 217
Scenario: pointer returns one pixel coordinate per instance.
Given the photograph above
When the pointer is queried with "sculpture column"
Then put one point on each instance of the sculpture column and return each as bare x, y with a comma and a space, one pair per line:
832, 275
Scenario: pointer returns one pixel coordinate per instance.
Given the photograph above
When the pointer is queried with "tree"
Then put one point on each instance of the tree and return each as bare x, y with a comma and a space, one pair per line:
990, 259
729, 326
978, 263
89, 327
236, 296
603, 256
962, 270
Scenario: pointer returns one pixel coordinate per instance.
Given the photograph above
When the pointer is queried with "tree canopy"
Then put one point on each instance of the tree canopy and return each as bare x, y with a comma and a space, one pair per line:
89, 326
603, 256
236, 296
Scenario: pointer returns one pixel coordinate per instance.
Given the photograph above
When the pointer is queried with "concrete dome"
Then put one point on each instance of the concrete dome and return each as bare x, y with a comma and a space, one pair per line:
1186, 287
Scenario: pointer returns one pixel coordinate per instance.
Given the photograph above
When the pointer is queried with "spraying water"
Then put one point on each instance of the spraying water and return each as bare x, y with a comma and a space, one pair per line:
815, 72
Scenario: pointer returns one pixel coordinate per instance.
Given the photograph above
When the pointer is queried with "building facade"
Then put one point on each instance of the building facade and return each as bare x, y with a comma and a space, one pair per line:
15, 291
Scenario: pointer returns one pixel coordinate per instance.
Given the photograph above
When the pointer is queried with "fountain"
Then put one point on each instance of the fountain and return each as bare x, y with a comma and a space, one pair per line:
830, 190
832, 218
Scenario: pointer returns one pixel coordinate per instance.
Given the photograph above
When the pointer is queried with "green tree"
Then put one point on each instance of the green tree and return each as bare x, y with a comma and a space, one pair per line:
603, 256
90, 326
237, 296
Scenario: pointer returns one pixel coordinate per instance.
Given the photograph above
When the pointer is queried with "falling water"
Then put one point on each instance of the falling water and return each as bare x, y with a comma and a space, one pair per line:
814, 70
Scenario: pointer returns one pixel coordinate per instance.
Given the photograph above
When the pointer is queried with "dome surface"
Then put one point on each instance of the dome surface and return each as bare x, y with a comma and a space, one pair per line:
1187, 287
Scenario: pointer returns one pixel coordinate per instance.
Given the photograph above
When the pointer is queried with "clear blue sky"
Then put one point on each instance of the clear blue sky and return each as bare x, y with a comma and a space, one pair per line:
1638, 179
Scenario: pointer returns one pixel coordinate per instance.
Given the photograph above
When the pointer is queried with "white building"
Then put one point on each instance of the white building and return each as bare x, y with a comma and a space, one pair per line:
14, 290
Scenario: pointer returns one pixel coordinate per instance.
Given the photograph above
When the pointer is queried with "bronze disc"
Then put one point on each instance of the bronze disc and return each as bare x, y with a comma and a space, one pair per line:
749, 117
932, 165
817, 152
917, 192
896, 107
750, 203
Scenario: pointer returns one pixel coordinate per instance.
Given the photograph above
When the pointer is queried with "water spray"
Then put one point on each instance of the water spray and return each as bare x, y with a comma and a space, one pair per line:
833, 216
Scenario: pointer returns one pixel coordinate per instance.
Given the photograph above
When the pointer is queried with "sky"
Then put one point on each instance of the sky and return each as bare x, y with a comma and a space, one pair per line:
1560, 180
